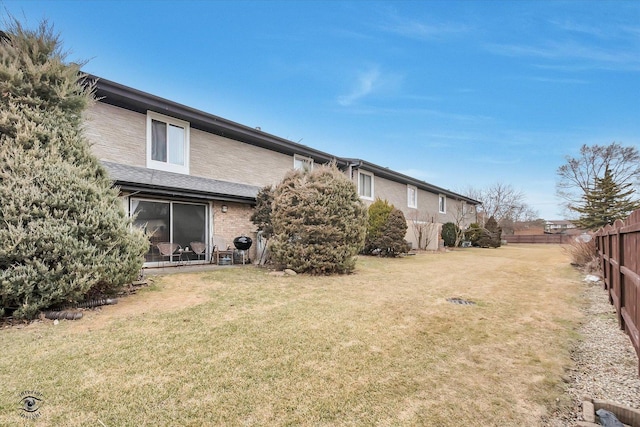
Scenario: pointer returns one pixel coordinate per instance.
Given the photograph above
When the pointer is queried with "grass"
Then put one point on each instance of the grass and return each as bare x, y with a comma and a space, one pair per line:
382, 346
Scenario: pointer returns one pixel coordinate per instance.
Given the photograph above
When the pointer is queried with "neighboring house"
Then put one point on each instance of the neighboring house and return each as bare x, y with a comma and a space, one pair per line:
426, 207
188, 176
559, 226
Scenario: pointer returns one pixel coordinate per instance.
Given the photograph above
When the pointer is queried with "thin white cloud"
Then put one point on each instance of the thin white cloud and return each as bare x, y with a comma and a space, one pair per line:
575, 27
568, 52
364, 85
424, 31
403, 111
559, 80
497, 161
420, 29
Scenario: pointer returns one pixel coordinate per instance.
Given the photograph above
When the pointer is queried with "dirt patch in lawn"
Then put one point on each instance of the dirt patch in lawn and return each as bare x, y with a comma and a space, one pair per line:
164, 294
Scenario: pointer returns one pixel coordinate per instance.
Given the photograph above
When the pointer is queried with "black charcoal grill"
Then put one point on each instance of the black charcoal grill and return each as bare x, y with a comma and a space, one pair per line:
242, 244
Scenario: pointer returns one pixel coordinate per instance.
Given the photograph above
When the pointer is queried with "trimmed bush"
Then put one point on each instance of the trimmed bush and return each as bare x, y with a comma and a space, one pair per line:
63, 231
319, 222
379, 212
449, 233
390, 241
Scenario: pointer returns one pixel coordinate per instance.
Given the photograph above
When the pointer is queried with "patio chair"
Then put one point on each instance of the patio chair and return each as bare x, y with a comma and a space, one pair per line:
221, 248
199, 248
167, 250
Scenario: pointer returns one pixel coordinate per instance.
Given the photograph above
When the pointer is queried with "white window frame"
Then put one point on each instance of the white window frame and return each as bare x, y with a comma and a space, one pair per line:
442, 203
412, 202
360, 190
167, 166
302, 162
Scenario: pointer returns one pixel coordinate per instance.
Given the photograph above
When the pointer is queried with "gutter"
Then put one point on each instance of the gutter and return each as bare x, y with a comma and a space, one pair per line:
118, 95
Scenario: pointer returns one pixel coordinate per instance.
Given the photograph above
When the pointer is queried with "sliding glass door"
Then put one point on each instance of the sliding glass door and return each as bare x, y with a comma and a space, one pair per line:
171, 225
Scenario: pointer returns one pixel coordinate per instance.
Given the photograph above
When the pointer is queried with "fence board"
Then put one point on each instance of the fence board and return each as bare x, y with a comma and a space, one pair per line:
619, 249
540, 238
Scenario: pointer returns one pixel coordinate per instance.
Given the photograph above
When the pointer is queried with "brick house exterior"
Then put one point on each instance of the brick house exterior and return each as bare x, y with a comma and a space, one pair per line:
189, 176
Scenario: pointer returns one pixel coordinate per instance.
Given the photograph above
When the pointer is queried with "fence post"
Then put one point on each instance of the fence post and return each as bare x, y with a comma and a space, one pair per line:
619, 292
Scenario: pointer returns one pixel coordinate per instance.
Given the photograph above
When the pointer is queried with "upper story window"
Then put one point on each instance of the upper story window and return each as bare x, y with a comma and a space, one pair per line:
303, 163
365, 185
167, 143
442, 203
412, 196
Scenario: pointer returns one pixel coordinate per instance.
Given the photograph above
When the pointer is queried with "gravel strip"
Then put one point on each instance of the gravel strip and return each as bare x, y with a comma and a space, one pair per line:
605, 362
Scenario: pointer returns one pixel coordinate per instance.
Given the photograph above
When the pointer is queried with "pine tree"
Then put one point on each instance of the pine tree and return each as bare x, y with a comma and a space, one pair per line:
605, 202
319, 222
63, 231
491, 235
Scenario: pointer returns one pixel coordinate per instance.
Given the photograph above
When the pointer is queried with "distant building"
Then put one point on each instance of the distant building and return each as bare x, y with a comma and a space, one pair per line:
559, 227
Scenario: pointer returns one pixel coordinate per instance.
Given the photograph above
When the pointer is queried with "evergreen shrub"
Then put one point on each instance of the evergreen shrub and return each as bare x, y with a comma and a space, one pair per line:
449, 233
379, 212
473, 233
319, 222
63, 230
491, 236
390, 241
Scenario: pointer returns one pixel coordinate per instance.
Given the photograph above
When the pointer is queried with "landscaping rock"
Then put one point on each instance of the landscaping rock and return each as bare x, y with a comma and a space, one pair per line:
588, 411
608, 419
290, 272
276, 273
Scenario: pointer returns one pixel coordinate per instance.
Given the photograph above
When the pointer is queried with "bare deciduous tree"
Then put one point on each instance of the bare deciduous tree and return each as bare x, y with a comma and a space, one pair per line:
422, 226
503, 202
461, 215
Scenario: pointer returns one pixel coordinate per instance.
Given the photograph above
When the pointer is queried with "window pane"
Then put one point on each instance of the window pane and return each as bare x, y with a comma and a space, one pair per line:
300, 163
412, 196
158, 141
153, 218
189, 225
176, 145
365, 185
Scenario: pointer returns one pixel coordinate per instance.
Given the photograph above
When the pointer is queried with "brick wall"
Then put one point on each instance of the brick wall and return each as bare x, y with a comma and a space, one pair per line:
216, 157
427, 211
119, 135
116, 135
233, 223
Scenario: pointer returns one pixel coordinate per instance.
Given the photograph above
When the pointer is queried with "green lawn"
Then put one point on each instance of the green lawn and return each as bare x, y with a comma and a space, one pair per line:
382, 346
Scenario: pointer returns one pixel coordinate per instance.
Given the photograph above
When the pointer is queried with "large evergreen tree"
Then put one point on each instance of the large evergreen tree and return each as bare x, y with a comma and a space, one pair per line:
605, 202
63, 230
319, 222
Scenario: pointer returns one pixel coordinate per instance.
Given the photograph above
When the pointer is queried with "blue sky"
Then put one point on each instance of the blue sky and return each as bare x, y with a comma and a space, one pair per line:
457, 93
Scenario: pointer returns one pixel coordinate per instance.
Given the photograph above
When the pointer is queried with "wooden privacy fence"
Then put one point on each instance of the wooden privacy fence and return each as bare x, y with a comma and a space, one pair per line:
618, 248
539, 238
